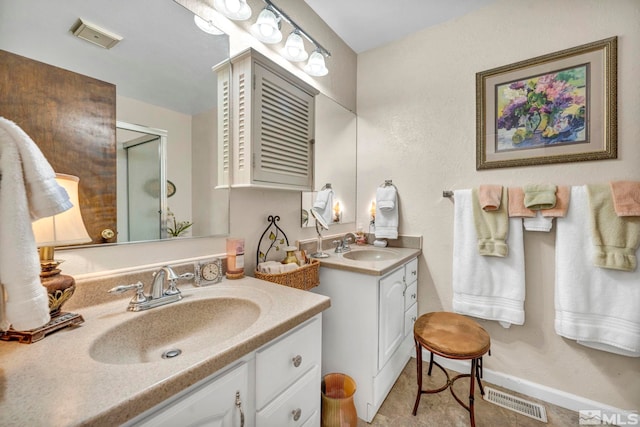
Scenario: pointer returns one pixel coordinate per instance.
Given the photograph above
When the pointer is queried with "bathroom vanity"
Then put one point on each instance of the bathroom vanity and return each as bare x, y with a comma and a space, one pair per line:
247, 345
367, 332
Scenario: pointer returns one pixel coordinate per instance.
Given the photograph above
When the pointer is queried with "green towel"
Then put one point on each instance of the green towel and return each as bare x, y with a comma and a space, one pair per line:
615, 238
492, 226
539, 196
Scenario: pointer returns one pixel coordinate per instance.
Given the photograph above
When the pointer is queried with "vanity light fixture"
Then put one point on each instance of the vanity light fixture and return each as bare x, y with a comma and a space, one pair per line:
267, 27
266, 31
293, 49
237, 10
207, 26
316, 66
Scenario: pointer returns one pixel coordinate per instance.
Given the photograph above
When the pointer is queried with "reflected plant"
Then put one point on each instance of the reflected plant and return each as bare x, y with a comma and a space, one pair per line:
174, 227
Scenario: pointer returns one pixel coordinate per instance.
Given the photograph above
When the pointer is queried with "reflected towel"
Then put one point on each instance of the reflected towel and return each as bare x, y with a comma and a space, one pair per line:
324, 204
516, 204
491, 227
626, 197
386, 213
597, 307
486, 287
615, 239
539, 196
28, 191
490, 197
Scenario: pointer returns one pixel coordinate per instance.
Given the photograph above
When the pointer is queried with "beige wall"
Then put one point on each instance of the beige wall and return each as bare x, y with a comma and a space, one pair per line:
416, 125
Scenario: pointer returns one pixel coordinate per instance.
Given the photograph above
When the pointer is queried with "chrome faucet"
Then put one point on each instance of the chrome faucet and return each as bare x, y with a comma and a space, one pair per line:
343, 244
159, 295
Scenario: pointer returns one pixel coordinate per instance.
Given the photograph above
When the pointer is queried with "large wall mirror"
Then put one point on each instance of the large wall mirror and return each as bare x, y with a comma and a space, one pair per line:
161, 70
334, 165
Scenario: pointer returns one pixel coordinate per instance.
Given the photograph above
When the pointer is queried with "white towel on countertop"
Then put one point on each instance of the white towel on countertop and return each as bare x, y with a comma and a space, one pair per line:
386, 213
28, 191
324, 204
597, 307
490, 288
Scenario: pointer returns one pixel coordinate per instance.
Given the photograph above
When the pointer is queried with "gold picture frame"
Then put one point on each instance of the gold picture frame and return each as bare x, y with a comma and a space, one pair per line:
556, 108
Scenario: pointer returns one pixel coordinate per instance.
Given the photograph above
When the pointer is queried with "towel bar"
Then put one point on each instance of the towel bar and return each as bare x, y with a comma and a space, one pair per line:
447, 193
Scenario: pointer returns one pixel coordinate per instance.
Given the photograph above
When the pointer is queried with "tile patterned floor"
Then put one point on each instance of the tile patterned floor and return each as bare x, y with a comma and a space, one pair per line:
441, 410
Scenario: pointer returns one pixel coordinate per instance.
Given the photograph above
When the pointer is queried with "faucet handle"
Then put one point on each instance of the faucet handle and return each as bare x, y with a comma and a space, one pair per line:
139, 288
172, 289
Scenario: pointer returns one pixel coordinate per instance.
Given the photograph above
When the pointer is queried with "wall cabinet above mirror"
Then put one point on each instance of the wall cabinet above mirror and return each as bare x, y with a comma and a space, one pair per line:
161, 71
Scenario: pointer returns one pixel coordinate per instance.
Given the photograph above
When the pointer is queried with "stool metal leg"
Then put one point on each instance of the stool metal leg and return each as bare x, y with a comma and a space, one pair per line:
474, 372
419, 375
430, 363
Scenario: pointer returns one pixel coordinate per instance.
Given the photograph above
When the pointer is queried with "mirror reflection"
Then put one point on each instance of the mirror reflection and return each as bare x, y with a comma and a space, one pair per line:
334, 165
161, 70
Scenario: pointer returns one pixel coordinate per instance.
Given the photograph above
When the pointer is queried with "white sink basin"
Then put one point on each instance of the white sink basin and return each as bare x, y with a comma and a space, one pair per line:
371, 255
187, 326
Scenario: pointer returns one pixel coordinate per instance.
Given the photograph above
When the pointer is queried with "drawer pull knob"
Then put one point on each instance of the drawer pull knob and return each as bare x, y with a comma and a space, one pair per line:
414, 272
296, 414
297, 361
413, 296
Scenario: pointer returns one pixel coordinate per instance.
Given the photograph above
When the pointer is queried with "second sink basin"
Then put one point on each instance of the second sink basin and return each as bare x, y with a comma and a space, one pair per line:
187, 326
371, 255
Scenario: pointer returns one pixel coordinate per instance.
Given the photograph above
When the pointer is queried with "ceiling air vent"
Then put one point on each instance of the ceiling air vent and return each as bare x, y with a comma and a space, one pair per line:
94, 34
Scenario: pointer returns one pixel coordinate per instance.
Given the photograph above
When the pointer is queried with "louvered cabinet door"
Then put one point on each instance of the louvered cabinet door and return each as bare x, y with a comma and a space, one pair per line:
283, 131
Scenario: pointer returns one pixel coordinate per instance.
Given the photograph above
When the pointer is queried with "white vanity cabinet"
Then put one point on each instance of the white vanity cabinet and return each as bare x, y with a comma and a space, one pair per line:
367, 331
266, 125
277, 385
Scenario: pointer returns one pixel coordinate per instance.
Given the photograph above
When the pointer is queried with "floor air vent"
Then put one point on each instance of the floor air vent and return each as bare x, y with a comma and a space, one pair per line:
516, 404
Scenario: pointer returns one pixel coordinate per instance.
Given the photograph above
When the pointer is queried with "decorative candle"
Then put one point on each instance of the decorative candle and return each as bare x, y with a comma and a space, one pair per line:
235, 258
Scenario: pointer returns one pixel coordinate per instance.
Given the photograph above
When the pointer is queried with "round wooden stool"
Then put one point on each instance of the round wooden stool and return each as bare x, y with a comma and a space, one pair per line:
452, 336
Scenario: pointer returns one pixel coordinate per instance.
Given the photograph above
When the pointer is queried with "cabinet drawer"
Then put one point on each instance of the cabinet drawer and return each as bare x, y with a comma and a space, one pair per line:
410, 317
411, 271
410, 295
295, 405
280, 364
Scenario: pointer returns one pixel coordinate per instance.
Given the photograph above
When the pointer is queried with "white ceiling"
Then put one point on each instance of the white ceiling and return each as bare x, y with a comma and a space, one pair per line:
366, 24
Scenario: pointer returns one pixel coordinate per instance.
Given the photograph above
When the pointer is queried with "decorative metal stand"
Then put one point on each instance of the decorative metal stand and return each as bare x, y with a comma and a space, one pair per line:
60, 321
276, 238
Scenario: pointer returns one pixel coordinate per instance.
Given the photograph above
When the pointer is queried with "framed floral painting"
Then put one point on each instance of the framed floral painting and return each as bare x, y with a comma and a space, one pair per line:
555, 108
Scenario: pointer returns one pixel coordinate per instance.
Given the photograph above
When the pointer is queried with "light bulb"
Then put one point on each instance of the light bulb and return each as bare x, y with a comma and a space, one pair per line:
294, 48
316, 65
233, 6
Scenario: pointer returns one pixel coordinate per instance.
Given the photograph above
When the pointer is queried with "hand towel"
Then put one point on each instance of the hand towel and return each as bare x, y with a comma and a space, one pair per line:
626, 197
28, 191
386, 213
486, 287
539, 196
491, 227
490, 197
563, 195
538, 223
516, 204
615, 239
324, 204
597, 307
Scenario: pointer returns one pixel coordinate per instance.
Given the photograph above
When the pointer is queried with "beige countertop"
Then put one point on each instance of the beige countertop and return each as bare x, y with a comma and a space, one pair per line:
56, 382
374, 268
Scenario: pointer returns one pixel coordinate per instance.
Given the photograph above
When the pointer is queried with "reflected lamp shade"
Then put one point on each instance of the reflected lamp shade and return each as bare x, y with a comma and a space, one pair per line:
66, 228
207, 26
316, 66
267, 28
237, 10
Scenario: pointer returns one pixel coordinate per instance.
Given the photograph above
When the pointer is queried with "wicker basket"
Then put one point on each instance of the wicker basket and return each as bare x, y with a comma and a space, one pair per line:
304, 278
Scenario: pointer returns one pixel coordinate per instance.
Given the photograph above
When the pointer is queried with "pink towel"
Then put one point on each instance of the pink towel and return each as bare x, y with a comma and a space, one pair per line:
626, 197
490, 197
516, 204
562, 203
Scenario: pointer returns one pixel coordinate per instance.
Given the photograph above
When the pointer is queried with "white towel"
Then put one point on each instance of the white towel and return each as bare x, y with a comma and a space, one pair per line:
538, 223
386, 213
490, 288
324, 204
28, 191
597, 307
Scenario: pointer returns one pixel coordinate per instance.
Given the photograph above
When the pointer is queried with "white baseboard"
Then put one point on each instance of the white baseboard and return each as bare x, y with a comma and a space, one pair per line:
538, 391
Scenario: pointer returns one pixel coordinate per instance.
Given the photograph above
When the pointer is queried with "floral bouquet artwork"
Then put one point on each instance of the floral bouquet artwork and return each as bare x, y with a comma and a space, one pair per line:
544, 110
